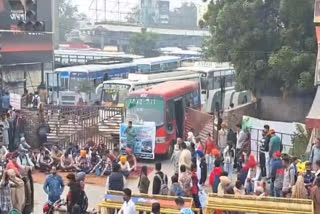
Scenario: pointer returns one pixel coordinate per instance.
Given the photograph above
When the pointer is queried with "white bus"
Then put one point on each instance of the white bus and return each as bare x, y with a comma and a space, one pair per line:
114, 92
211, 75
157, 64
67, 85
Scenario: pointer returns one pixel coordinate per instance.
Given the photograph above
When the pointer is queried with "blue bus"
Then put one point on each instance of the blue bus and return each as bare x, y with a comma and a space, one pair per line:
76, 84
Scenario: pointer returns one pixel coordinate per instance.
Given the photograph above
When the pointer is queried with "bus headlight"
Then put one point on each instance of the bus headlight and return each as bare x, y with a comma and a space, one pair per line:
161, 140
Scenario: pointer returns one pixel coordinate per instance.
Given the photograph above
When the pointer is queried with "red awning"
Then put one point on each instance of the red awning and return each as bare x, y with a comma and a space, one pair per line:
313, 118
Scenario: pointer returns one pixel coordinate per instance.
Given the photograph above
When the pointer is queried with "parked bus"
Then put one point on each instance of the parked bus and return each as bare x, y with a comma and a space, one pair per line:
212, 74
157, 64
67, 85
114, 92
165, 105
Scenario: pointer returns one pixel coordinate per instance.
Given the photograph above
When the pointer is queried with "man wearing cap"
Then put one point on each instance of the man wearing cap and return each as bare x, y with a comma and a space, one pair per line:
315, 154
277, 174
275, 143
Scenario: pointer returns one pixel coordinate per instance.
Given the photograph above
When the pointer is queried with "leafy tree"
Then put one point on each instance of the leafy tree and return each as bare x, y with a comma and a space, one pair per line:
69, 18
144, 44
134, 16
270, 42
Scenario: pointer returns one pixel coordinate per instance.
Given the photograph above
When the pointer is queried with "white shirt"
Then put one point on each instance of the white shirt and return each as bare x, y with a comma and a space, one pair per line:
128, 208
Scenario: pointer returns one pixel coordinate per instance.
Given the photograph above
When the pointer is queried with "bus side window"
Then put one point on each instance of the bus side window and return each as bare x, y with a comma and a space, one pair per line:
170, 115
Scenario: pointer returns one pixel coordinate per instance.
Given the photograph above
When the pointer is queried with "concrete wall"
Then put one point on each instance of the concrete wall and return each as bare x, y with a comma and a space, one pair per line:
293, 109
234, 116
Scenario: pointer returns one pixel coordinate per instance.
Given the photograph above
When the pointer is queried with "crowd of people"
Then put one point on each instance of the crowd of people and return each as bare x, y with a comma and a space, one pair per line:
225, 164
229, 167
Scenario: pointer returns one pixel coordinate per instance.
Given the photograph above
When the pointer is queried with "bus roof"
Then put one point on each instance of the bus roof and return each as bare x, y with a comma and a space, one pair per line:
204, 69
94, 53
167, 89
156, 60
93, 68
146, 78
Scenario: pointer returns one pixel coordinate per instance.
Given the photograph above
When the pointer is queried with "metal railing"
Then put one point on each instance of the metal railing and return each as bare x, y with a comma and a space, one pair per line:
257, 140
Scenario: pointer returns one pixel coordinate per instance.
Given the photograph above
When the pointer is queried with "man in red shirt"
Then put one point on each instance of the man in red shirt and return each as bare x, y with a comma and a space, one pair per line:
215, 176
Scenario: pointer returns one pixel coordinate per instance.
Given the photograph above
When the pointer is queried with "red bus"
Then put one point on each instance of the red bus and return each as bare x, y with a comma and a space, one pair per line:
165, 105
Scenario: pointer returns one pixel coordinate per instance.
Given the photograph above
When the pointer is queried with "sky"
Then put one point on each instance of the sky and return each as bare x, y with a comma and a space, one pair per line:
125, 6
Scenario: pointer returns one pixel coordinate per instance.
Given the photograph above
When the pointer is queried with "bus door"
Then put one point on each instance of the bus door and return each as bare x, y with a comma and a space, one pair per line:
179, 116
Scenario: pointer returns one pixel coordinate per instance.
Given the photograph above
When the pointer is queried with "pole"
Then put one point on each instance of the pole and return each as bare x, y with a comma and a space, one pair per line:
42, 73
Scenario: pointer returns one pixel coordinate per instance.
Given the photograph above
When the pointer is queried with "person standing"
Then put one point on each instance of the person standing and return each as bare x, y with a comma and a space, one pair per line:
315, 196
241, 138
185, 180
264, 152
116, 180
3, 153
277, 173
53, 186
155, 209
210, 145
275, 143
175, 158
5, 194
228, 156
185, 157
144, 181
160, 182
223, 134
6, 101
131, 135
299, 190
195, 187
180, 204
128, 207
5, 130
289, 176
315, 154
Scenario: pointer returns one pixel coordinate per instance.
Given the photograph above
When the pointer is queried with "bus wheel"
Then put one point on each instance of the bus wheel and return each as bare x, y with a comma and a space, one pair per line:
170, 151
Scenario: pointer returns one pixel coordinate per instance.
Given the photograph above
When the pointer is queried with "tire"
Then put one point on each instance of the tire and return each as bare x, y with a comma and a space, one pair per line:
170, 151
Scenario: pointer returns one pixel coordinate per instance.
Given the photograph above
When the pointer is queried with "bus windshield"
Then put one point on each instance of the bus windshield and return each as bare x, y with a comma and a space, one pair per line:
79, 82
115, 93
146, 109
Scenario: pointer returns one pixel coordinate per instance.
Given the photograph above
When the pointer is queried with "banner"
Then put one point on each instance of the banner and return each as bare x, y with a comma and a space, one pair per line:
142, 137
15, 101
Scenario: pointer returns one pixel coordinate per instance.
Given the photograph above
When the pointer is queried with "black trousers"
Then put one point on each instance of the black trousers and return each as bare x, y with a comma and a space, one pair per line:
262, 158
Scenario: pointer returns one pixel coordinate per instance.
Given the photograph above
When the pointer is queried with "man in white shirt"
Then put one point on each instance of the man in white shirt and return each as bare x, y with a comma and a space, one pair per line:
241, 138
128, 207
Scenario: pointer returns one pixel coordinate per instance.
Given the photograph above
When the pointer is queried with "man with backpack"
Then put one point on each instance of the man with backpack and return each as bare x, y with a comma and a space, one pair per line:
160, 182
76, 196
35, 100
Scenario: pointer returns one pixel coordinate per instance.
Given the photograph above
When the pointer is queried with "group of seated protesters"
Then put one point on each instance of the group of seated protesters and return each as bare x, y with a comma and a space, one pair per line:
91, 159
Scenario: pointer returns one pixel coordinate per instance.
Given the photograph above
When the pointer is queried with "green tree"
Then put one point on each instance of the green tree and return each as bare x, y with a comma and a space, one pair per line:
69, 18
144, 44
270, 42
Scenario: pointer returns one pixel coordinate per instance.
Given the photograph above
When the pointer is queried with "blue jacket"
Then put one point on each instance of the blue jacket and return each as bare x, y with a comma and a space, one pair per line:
53, 187
277, 173
5, 101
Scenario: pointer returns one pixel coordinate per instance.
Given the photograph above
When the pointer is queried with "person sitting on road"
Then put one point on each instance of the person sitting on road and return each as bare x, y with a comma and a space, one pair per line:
124, 166
94, 159
67, 163
132, 160
83, 163
104, 167
46, 161
56, 155
24, 160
